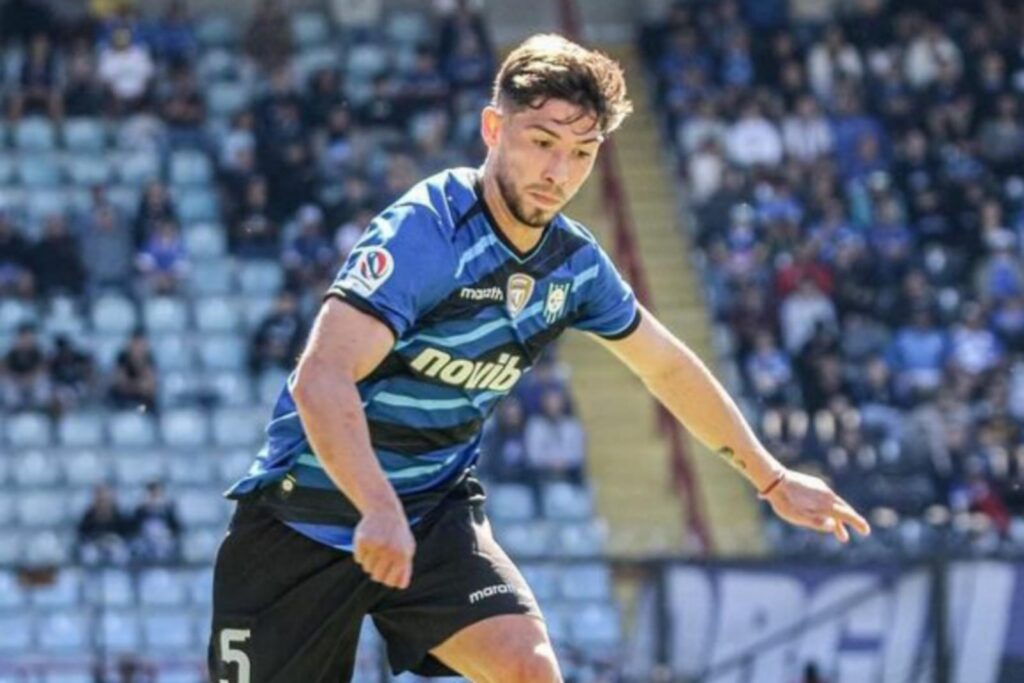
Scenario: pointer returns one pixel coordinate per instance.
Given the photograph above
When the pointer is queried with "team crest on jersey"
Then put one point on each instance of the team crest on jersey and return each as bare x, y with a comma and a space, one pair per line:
518, 292
554, 303
372, 268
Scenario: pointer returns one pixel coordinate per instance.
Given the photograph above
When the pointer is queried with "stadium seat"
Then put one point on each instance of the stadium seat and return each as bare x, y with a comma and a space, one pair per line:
173, 352
270, 384
40, 508
579, 539
200, 545
218, 314
260, 277
160, 587
84, 135
12, 541
12, 199
596, 625
120, 630
226, 98
113, 314
586, 582
139, 167
511, 503
111, 587
84, 468
525, 539
190, 167
408, 28
256, 308
35, 468
170, 630
42, 203
6, 169
238, 427
365, 62
125, 198
200, 586
12, 594
62, 318
179, 388
217, 30
63, 631
81, 428
13, 313
201, 507
190, 468
229, 388
563, 500
309, 28
542, 579
89, 170
202, 240
131, 429
39, 170
222, 352
16, 631
27, 430
184, 428
64, 591
233, 464
165, 314
136, 469
34, 134
211, 277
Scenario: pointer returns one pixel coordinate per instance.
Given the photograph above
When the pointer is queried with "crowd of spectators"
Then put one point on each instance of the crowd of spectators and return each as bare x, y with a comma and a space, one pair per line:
108, 535
854, 171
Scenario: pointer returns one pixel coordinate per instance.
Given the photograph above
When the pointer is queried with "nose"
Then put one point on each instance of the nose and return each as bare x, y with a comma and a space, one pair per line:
557, 171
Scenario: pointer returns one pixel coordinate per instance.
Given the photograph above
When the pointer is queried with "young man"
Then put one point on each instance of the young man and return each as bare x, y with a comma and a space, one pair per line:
364, 500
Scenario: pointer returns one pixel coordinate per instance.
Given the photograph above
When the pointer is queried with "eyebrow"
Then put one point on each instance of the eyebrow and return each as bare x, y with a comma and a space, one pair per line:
596, 138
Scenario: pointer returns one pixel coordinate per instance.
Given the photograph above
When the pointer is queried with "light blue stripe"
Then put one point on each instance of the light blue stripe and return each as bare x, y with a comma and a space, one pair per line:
584, 277
474, 251
400, 401
478, 333
310, 460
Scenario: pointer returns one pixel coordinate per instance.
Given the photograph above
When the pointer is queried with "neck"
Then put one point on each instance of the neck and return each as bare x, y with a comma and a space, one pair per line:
524, 237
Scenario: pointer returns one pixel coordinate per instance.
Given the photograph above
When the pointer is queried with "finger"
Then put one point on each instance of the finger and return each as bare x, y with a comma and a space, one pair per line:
845, 512
395, 576
841, 534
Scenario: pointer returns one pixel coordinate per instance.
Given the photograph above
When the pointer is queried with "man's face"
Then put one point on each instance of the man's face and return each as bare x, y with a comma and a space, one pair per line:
542, 157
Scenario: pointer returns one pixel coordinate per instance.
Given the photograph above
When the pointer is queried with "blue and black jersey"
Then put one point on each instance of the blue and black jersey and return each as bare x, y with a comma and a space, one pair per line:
470, 314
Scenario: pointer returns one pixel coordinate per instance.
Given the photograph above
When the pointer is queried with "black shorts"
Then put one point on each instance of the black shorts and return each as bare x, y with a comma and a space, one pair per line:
288, 609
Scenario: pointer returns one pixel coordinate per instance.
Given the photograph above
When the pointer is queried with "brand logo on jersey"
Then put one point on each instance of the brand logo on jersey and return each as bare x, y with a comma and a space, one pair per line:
519, 289
459, 372
554, 303
373, 266
482, 293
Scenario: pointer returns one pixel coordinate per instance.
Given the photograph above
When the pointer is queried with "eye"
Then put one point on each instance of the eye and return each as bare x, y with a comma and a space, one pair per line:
582, 154
543, 144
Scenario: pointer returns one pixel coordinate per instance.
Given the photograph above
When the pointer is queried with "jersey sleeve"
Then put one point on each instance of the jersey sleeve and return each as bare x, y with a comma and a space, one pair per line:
609, 307
397, 268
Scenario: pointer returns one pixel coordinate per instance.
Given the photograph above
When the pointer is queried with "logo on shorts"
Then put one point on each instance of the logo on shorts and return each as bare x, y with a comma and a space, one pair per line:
373, 266
491, 591
520, 289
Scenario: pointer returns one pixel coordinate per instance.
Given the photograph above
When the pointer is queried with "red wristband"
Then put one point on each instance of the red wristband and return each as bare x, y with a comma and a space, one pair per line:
771, 487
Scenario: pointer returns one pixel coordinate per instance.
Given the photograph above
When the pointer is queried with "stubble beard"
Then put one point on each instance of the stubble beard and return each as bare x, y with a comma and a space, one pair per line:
537, 218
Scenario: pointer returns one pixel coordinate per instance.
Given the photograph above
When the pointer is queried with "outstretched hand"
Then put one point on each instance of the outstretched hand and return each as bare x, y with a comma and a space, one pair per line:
807, 501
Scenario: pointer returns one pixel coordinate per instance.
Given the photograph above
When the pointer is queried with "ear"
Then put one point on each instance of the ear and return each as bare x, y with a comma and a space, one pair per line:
490, 125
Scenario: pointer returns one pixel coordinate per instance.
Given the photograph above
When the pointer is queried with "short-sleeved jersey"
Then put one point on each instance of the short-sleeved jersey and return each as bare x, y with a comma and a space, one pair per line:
470, 314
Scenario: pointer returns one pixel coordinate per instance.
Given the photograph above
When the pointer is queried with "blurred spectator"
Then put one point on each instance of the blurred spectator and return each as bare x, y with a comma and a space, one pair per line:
252, 234
811, 674
107, 249
802, 311
423, 87
505, 443
974, 349
163, 262
135, 380
768, 370
753, 139
126, 69
15, 260
554, 440
547, 374
155, 208
103, 530
918, 355
348, 234
309, 255
26, 385
172, 36
82, 92
57, 260
157, 530
72, 375
37, 91
278, 338
21, 19
268, 39
470, 67
183, 109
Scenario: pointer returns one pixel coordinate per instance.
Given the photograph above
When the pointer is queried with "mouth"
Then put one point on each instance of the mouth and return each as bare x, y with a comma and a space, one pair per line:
545, 199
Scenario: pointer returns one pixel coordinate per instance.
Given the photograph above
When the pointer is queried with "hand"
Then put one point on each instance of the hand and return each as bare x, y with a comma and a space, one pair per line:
808, 501
384, 547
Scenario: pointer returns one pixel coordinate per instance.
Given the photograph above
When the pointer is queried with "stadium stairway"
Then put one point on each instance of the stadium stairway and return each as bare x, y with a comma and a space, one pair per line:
628, 459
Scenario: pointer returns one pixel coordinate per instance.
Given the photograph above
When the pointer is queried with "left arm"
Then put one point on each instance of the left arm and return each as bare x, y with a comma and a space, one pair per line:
674, 374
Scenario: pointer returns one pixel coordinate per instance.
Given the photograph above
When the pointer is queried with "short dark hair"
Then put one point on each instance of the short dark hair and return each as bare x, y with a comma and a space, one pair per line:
548, 66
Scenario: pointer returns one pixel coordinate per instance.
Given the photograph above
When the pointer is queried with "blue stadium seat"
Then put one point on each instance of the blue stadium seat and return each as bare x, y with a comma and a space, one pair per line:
112, 314
139, 168
173, 352
63, 631
209, 277
81, 675
27, 430
260, 277
126, 198
179, 387
511, 503
89, 170
226, 98
366, 61
542, 579
256, 308
85, 468
524, 539
200, 586
6, 169
120, 631
563, 500
218, 314
63, 318
270, 384
203, 240
85, 135
596, 625
131, 429
309, 28
35, 468
200, 545
12, 594
222, 352
580, 539
586, 582
34, 134
232, 464
408, 28
111, 587
81, 428
199, 507
238, 426
229, 387
196, 205
314, 59
15, 632
7, 512
12, 541
13, 313
189, 167
189, 468
184, 428
217, 30
105, 348
165, 314
41, 203
39, 170
170, 630
64, 591
160, 587
136, 469
40, 508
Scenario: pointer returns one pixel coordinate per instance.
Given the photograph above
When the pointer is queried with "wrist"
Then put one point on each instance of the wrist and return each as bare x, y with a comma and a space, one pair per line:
766, 491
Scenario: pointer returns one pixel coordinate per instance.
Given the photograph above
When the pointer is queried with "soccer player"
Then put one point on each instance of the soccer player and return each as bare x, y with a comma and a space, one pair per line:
363, 500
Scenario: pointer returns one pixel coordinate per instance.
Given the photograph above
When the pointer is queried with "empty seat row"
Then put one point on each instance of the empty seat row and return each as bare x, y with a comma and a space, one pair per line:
559, 500
109, 587
541, 537
185, 168
55, 547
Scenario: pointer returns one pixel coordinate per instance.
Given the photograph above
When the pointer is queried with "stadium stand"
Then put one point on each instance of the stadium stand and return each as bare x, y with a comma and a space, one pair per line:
169, 192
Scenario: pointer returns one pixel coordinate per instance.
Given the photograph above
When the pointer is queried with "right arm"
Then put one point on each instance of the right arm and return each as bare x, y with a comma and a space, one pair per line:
345, 346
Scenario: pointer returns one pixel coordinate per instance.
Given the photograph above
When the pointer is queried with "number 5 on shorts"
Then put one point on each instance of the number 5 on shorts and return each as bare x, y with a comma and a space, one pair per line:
229, 654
